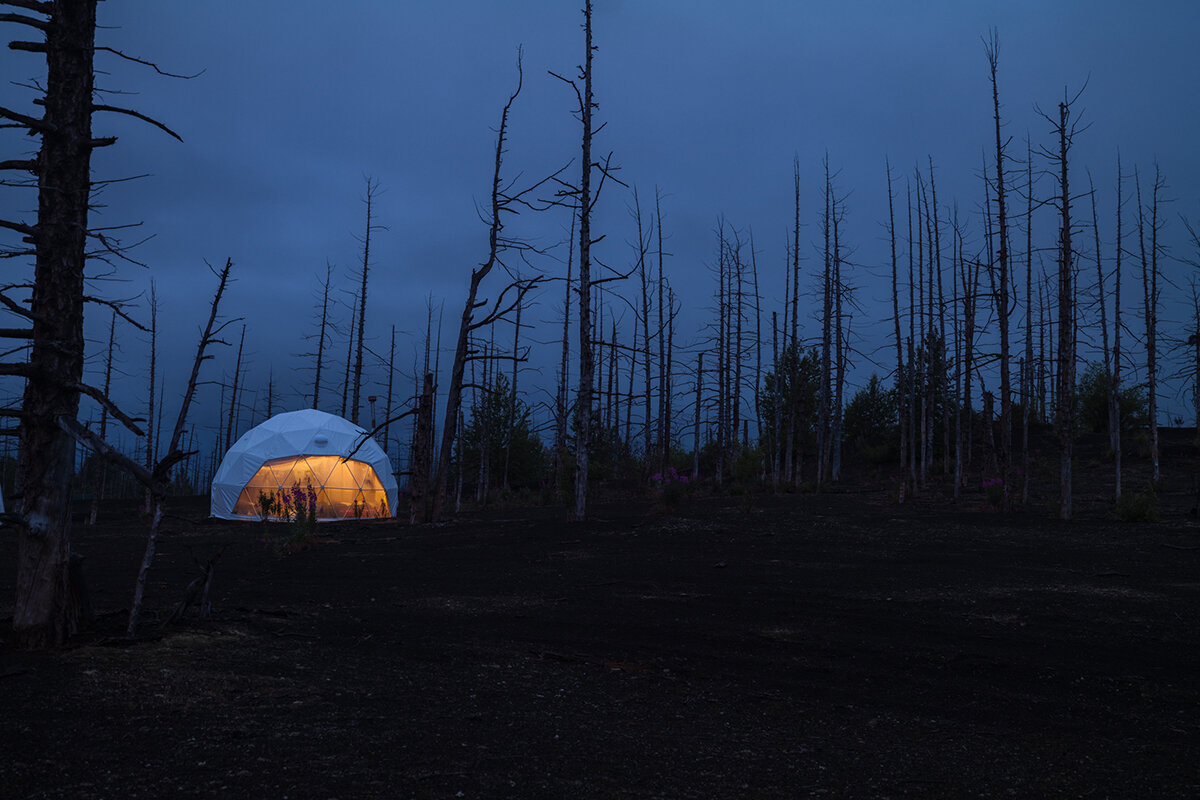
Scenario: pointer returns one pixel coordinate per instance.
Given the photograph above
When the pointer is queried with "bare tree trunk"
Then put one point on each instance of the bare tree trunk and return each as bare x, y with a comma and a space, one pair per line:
47, 610
757, 360
467, 323
992, 47
160, 477
387, 406
943, 378
795, 253
512, 408
663, 442
152, 424
1114, 389
418, 509
839, 350
642, 248
668, 374
1027, 383
233, 393
827, 322
100, 469
1151, 293
321, 335
901, 398
696, 426
349, 359
583, 417
722, 351
372, 190
956, 258
776, 405
1065, 408
562, 405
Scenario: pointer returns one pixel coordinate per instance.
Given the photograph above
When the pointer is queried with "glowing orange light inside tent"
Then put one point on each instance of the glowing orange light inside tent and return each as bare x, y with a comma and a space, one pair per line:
343, 489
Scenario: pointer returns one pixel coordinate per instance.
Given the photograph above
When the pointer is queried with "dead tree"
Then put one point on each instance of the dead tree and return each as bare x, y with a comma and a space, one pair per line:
387, 405
230, 429
154, 413
504, 200
100, 471
159, 478
1065, 130
349, 359
643, 247
48, 607
664, 442
901, 398
421, 459
321, 329
1114, 391
825, 400
696, 424
1113, 432
583, 198
564, 368
1150, 298
371, 192
992, 50
1027, 378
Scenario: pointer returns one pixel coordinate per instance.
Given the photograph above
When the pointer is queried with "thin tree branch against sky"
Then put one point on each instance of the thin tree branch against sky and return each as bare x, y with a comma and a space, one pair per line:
298, 101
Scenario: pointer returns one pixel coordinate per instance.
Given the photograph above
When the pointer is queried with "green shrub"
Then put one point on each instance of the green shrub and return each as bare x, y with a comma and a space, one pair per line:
1138, 506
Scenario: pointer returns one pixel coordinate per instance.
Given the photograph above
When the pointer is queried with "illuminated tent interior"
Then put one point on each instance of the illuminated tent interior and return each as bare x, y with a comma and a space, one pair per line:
297, 459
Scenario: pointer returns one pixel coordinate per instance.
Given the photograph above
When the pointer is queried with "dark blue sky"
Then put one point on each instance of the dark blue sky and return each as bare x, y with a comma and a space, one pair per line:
707, 100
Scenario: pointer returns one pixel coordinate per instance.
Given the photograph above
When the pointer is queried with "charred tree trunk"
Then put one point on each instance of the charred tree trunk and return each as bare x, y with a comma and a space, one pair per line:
372, 190
100, 470
47, 609
467, 322
1004, 450
321, 335
233, 393
901, 398
1114, 389
583, 413
421, 459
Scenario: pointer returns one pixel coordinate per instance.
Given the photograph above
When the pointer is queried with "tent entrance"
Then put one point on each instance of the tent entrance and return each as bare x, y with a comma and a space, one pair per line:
338, 489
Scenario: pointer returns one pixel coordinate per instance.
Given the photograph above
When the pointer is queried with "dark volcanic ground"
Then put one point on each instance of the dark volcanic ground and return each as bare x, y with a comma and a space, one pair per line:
818, 645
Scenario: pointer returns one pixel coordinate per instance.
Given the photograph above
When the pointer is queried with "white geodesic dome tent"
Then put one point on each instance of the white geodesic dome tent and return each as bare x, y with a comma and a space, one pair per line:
294, 452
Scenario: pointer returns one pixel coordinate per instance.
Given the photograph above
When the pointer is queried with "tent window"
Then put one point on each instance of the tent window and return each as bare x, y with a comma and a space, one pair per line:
343, 489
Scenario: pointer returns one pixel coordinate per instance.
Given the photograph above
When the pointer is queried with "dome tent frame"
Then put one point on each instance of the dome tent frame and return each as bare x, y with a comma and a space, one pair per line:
305, 452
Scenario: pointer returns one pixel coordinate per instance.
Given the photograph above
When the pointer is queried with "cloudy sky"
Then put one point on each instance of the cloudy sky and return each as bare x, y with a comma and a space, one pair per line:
709, 101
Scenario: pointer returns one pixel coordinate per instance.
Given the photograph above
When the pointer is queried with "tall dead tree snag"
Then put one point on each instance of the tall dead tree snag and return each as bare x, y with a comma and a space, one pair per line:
47, 609
504, 200
1003, 313
584, 199
583, 398
159, 478
1064, 130
421, 457
1150, 298
371, 192
901, 398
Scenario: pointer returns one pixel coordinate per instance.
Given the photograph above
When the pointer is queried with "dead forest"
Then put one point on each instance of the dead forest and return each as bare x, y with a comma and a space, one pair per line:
1017, 319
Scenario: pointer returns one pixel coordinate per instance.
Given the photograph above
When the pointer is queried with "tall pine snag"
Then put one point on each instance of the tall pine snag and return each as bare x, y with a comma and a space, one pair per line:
47, 607
584, 199
505, 199
371, 192
1065, 129
1003, 313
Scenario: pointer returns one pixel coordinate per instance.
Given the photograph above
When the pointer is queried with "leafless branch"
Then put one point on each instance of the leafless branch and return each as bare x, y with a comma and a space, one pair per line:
138, 115
150, 64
